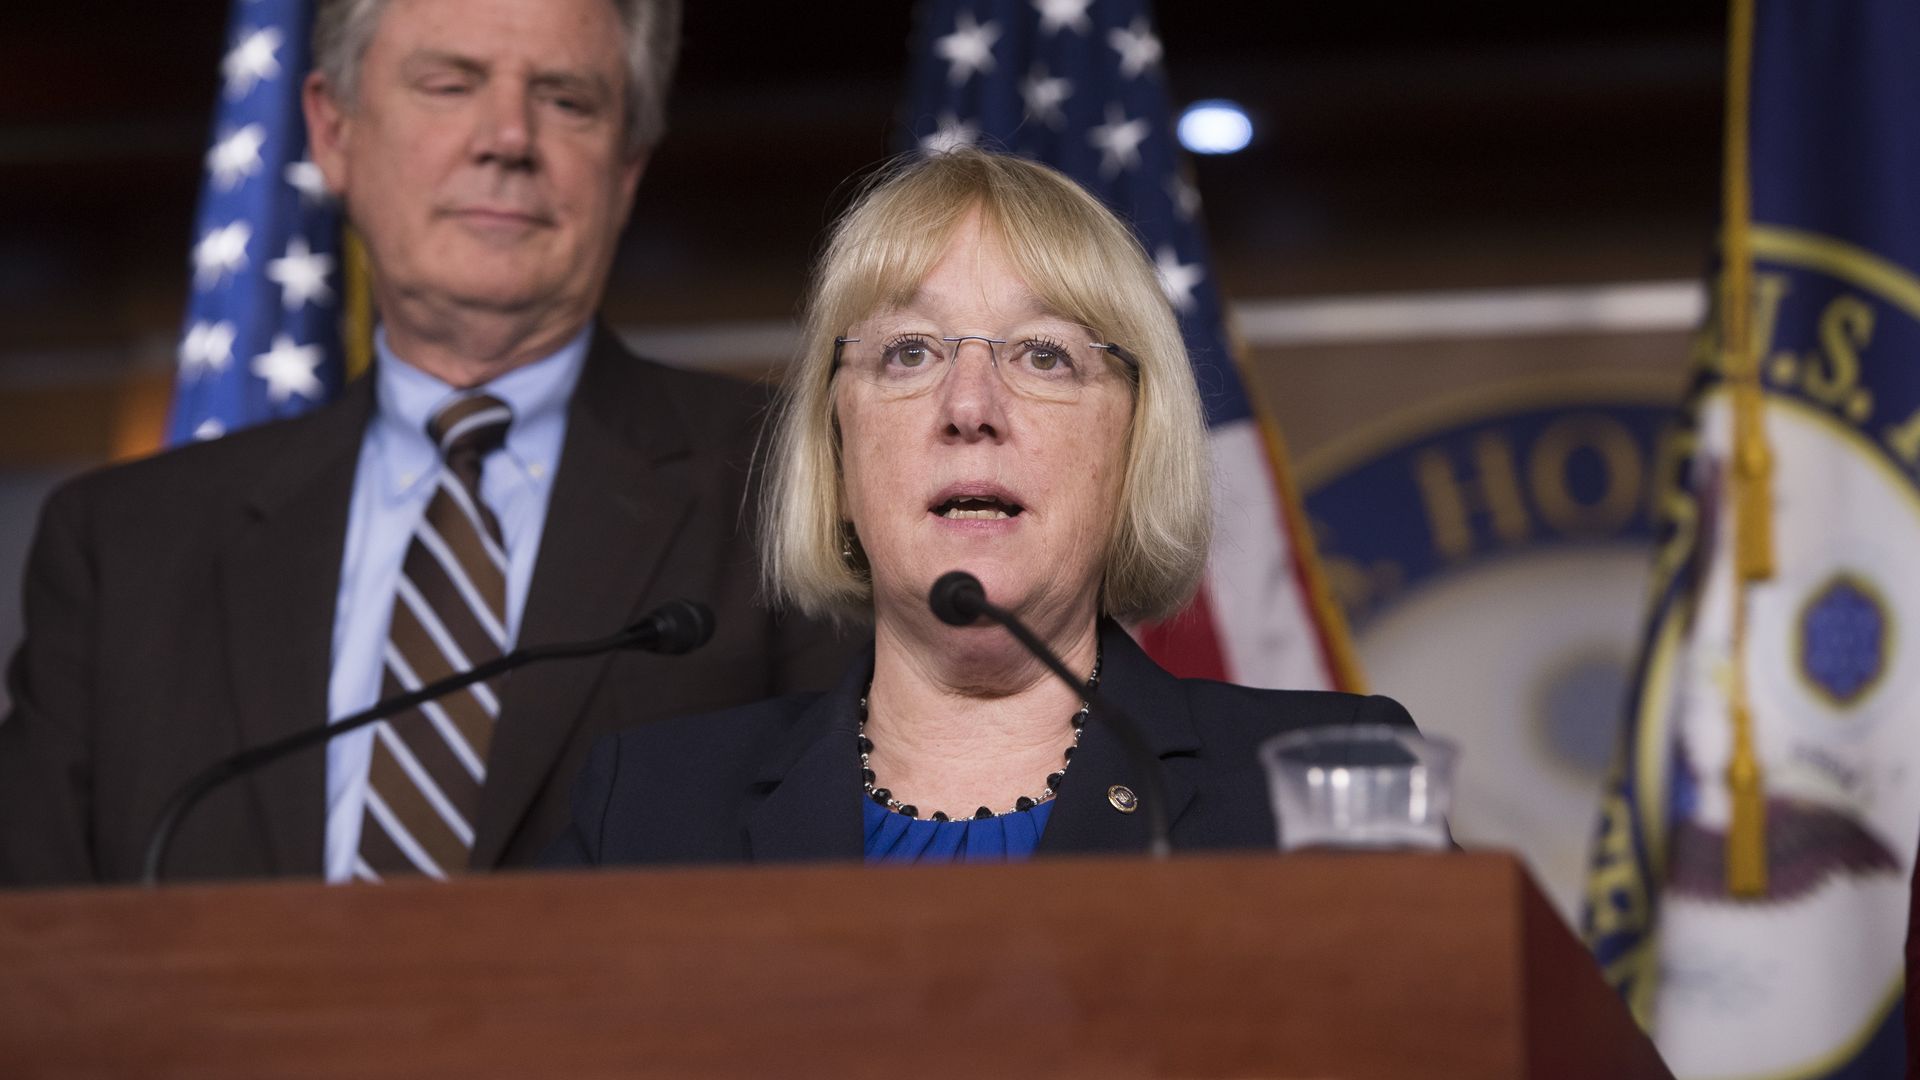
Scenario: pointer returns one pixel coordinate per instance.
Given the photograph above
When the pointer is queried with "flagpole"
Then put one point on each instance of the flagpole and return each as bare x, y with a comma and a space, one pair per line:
1746, 856
1342, 660
1336, 639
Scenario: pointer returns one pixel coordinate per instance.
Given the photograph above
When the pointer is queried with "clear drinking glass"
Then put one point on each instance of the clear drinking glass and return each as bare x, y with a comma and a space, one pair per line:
1361, 786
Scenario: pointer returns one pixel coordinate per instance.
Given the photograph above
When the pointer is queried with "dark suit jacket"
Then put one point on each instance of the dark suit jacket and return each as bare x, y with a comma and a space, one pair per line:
780, 780
181, 608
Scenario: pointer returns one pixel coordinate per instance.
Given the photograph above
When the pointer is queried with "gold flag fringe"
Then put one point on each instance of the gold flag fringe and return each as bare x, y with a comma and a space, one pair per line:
1752, 464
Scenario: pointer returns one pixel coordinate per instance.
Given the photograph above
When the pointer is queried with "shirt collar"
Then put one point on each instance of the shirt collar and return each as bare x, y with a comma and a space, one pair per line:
406, 397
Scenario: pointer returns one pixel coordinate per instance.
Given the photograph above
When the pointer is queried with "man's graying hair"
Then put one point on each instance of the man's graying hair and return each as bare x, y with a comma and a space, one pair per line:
343, 29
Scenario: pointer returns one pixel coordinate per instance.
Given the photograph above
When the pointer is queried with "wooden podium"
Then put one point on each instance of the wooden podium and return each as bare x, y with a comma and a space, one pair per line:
1314, 966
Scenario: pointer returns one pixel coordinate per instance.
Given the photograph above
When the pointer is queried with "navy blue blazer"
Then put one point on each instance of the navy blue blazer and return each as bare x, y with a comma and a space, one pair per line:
779, 781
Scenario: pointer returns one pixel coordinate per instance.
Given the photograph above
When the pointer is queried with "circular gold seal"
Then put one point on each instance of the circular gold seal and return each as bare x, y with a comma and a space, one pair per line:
1123, 799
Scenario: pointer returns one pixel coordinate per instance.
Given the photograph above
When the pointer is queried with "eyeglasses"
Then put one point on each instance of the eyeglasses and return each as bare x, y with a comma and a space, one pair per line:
1041, 365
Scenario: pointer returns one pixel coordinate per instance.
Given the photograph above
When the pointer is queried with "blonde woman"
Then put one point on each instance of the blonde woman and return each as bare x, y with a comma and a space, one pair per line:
992, 381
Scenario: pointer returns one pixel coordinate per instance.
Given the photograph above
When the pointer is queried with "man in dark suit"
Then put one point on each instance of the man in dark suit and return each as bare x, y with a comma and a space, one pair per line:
508, 473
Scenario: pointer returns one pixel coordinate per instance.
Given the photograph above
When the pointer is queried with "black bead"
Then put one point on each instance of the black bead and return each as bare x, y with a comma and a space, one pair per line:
983, 812
1069, 754
1079, 721
866, 776
1023, 803
881, 795
939, 815
866, 745
1053, 780
910, 810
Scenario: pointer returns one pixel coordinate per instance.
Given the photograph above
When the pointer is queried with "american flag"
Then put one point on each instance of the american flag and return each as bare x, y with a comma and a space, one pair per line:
262, 337
1078, 84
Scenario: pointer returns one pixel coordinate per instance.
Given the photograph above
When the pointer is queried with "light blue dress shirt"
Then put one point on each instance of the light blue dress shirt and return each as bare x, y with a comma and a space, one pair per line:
391, 488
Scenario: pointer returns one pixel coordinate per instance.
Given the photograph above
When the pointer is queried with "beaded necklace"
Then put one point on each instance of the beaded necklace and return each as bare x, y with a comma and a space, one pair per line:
880, 795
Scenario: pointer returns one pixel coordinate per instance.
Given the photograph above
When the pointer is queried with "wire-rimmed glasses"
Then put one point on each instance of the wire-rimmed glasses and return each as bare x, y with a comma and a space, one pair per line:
1053, 364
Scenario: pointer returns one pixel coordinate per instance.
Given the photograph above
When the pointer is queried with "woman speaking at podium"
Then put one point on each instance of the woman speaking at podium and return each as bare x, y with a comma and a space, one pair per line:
992, 380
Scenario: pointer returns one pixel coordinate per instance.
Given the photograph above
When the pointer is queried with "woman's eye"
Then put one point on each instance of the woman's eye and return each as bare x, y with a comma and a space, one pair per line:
1046, 358
911, 354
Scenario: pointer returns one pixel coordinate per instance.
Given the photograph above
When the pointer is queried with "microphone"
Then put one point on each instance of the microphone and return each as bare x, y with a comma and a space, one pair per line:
958, 599
673, 628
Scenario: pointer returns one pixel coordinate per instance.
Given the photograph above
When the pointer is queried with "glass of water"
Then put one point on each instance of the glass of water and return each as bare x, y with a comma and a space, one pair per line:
1361, 786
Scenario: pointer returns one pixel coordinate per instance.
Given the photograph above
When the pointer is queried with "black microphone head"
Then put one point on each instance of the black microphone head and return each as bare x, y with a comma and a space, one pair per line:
680, 626
957, 598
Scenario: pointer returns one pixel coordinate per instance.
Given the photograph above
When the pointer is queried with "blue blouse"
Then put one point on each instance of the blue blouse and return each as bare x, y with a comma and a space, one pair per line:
897, 838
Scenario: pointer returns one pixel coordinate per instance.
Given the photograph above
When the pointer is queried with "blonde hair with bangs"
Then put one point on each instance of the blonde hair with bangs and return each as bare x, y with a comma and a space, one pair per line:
1084, 264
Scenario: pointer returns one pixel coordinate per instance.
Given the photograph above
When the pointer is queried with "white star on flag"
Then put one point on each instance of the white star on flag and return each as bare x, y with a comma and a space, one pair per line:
969, 49
1058, 15
1044, 96
1118, 140
222, 251
305, 177
289, 369
301, 275
1177, 279
236, 156
1186, 197
209, 429
1138, 48
208, 347
251, 61
952, 133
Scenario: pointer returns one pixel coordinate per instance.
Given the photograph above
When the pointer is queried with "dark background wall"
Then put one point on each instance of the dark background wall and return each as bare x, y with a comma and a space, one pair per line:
1401, 146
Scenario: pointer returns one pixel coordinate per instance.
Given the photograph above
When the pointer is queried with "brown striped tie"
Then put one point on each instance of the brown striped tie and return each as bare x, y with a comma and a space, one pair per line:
449, 614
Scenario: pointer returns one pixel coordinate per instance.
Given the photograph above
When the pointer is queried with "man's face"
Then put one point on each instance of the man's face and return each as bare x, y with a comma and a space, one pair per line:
482, 156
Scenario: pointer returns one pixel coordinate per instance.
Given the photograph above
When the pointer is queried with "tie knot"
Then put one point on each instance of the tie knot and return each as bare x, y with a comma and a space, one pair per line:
470, 426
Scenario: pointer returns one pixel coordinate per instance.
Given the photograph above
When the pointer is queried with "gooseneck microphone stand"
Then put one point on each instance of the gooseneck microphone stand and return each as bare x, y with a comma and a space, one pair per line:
677, 626
958, 599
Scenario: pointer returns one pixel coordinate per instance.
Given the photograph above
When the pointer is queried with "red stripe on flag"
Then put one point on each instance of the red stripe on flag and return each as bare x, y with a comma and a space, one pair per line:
1188, 645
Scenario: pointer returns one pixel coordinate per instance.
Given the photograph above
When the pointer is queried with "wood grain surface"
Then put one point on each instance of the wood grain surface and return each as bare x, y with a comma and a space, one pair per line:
1307, 966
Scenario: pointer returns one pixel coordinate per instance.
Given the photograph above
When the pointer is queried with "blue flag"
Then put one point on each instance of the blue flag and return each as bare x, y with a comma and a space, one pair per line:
262, 338
1800, 659
1077, 84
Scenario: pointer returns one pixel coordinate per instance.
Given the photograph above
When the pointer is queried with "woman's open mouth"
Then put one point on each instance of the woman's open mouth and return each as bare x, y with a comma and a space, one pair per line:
977, 508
